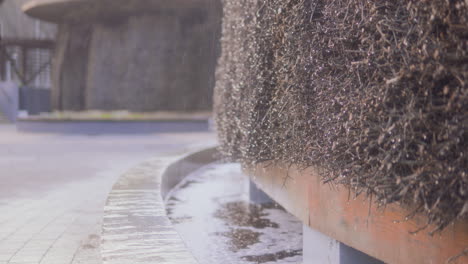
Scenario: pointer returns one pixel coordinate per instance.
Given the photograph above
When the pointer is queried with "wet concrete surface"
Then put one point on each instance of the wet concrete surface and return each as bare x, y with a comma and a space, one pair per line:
211, 211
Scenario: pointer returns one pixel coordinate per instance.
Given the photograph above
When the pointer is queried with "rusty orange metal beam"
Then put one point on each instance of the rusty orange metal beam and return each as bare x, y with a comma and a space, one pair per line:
379, 232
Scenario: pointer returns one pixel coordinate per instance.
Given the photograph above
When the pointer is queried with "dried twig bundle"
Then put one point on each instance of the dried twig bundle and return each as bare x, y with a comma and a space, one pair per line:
375, 92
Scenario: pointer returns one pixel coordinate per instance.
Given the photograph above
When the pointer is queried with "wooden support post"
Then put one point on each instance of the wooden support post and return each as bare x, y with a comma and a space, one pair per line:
24, 66
3, 62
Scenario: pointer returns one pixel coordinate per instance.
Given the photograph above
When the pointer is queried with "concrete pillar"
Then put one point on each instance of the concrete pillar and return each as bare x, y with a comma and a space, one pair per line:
257, 195
319, 248
70, 67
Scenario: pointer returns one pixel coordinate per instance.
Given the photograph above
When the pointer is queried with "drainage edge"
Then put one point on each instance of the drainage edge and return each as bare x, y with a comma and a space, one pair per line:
135, 226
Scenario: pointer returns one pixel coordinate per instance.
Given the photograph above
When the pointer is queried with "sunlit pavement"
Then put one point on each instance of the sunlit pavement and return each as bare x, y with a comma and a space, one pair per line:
53, 188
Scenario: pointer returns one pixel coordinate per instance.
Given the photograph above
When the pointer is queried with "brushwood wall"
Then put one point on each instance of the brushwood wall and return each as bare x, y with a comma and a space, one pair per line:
375, 93
145, 61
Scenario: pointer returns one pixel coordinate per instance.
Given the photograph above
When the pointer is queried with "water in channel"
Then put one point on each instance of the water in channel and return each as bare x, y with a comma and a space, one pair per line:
211, 211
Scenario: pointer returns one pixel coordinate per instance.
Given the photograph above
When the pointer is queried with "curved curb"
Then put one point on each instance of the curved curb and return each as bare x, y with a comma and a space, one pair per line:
135, 226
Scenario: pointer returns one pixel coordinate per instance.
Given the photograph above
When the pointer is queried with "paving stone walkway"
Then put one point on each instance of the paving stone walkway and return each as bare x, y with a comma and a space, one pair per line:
53, 189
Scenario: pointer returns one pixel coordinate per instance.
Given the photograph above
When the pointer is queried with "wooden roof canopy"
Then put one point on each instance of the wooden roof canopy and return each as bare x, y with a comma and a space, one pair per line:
63, 11
27, 43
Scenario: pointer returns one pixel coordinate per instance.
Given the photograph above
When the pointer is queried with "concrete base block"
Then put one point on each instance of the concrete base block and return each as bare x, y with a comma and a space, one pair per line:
321, 249
257, 195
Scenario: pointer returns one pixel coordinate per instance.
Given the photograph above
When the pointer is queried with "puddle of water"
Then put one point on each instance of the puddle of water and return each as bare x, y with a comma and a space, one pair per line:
241, 238
242, 213
211, 211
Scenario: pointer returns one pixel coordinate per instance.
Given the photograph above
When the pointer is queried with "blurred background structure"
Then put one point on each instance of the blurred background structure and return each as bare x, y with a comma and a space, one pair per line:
26, 48
139, 56
132, 55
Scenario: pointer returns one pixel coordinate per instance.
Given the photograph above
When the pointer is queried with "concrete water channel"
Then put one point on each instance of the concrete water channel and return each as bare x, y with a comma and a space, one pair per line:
212, 212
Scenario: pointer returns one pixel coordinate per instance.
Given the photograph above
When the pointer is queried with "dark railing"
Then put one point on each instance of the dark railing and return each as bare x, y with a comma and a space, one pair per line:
31, 99
29, 70
34, 100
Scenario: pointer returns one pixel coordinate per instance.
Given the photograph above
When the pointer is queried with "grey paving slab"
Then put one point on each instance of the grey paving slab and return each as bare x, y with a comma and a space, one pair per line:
53, 188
